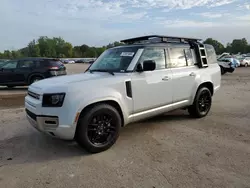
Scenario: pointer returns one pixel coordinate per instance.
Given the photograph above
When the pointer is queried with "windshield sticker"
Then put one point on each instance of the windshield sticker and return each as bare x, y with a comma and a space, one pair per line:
127, 54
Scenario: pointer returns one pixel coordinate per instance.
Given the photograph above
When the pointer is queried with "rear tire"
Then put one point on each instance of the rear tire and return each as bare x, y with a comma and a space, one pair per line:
202, 103
99, 128
35, 79
246, 64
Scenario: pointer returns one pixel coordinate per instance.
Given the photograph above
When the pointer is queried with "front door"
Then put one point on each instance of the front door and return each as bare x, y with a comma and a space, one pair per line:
152, 90
7, 72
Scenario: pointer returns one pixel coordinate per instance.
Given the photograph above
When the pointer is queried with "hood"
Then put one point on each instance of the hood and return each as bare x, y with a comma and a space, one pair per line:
67, 79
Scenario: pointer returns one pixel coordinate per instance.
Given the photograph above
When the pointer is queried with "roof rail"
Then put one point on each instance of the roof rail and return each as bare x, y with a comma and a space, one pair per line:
159, 38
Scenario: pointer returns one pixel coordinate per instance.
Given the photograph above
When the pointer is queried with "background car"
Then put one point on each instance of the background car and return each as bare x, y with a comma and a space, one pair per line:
67, 61
22, 72
245, 61
80, 61
226, 65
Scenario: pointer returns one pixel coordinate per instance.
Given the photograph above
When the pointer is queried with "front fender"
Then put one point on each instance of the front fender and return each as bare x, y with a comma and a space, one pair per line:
102, 95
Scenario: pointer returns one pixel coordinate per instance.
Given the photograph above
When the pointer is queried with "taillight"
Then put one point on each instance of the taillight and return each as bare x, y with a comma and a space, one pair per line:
54, 68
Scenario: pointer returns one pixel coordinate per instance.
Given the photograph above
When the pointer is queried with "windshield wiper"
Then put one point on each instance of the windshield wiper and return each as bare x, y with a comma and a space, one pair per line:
102, 70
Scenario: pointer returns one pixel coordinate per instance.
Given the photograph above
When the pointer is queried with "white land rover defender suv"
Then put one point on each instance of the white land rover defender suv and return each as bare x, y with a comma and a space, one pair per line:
147, 76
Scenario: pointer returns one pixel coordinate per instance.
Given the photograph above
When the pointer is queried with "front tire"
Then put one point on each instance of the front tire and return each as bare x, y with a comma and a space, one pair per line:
246, 64
202, 103
99, 128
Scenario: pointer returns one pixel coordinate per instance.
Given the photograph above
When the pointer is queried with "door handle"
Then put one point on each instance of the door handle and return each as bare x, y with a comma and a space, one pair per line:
192, 74
166, 78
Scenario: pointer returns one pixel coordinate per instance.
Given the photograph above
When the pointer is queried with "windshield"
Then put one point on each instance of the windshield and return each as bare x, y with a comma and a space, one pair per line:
115, 60
2, 63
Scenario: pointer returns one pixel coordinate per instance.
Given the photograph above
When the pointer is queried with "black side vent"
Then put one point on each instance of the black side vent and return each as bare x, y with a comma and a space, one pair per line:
128, 88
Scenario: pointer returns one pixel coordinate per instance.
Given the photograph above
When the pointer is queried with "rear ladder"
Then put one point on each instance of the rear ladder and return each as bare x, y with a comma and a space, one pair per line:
200, 53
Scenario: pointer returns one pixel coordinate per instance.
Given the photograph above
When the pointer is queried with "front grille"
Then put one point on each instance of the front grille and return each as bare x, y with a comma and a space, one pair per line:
30, 114
34, 95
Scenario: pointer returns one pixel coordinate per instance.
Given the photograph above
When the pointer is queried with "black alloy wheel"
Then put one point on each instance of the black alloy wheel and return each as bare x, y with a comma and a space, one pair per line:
101, 129
98, 128
202, 103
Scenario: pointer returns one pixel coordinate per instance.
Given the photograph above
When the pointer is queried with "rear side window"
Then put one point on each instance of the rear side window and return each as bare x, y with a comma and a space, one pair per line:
26, 64
177, 57
55, 63
211, 55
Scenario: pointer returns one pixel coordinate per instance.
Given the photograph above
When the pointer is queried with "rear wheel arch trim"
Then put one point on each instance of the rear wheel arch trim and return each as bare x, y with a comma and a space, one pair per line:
33, 75
207, 84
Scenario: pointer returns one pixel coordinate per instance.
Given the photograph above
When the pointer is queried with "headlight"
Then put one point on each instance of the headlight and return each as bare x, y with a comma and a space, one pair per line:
53, 100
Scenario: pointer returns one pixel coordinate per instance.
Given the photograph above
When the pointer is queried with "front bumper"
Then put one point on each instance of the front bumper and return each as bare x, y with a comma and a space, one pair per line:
50, 126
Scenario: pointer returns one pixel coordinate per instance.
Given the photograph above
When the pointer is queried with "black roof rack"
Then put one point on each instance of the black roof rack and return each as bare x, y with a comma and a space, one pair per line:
159, 38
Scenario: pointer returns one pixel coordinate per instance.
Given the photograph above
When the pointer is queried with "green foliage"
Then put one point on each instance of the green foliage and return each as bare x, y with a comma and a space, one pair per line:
219, 48
59, 48
237, 46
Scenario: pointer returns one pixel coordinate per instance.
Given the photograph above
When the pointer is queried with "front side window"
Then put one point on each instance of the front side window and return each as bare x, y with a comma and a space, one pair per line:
115, 60
10, 65
155, 54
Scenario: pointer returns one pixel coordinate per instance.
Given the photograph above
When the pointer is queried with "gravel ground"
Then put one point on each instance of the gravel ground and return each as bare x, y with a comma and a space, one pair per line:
173, 150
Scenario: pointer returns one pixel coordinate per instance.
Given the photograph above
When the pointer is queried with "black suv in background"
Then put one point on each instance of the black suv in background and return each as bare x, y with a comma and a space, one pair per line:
22, 72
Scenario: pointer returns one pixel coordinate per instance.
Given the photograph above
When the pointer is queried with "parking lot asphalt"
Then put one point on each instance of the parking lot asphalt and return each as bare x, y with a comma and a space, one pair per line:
10, 98
171, 150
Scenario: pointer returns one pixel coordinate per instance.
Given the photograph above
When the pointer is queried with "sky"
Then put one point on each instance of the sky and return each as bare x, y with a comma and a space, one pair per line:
99, 22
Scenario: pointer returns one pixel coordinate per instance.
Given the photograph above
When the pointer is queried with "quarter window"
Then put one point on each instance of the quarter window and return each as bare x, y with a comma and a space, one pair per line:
155, 54
211, 55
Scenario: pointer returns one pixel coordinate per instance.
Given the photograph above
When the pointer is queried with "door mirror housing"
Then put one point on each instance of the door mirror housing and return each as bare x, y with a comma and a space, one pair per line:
139, 68
149, 65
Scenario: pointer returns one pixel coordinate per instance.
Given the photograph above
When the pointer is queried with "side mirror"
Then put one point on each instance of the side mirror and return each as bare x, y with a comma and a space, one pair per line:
139, 68
149, 65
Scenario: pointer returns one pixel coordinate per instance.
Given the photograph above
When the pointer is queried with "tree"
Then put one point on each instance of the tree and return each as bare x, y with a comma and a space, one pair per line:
67, 49
219, 48
57, 47
239, 46
33, 49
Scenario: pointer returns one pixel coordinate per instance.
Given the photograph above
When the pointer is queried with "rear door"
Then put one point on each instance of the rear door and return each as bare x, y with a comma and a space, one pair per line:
24, 69
184, 72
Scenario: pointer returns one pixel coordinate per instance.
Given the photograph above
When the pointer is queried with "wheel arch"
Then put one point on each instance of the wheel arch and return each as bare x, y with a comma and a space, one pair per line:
110, 102
207, 84
32, 75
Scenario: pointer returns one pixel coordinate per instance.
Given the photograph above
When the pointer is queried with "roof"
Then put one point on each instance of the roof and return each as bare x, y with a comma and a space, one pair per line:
36, 58
160, 39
